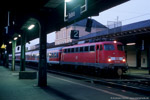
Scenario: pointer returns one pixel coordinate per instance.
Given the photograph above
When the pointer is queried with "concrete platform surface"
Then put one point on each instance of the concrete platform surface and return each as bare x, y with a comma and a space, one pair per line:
141, 73
59, 88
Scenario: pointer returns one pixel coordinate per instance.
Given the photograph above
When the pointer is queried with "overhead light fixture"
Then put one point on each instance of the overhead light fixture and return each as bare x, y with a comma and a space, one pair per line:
10, 42
15, 38
130, 43
115, 41
67, 0
19, 35
31, 27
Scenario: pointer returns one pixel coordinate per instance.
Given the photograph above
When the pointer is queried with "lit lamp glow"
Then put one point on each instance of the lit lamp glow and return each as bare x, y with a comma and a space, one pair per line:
19, 35
31, 26
10, 42
131, 43
115, 41
67, 0
15, 38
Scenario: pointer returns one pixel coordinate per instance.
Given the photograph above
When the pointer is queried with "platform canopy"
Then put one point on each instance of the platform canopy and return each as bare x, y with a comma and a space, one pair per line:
24, 12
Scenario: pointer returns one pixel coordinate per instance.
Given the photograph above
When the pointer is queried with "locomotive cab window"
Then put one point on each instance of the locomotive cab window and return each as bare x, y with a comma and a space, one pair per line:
109, 47
120, 47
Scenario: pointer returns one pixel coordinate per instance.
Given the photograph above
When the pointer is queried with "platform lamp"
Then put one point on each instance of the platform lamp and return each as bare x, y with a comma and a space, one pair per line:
67, 0
31, 26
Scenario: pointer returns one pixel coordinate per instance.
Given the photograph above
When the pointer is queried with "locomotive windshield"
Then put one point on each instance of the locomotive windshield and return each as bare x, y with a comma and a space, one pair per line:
109, 47
120, 47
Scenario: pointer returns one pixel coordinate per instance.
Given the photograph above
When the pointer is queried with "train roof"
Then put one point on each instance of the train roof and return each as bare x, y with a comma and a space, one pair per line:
57, 48
89, 44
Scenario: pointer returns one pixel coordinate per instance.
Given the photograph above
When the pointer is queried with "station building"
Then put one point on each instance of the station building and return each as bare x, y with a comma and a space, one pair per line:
63, 36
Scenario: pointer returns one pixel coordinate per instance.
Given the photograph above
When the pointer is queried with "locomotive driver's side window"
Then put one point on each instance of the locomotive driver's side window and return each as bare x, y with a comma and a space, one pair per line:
109, 47
120, 47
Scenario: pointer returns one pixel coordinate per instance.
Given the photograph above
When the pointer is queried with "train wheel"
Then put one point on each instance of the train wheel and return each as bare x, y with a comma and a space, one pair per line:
119, 71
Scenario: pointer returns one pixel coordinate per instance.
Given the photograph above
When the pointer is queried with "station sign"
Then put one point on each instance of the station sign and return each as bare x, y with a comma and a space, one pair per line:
74, 34
74, 14
3, 46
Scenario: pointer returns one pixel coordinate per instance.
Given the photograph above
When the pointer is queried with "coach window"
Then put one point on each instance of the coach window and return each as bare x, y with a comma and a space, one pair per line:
101, 48
49, 55
18, 48
86, 49
66, 50
57, 54
92, 48
52, 55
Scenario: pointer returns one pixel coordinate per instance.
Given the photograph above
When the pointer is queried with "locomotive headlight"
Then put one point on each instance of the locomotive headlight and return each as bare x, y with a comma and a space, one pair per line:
124, 60
109, 60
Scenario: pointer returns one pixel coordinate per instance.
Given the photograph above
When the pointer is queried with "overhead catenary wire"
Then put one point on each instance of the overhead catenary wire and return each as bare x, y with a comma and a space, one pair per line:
136, 17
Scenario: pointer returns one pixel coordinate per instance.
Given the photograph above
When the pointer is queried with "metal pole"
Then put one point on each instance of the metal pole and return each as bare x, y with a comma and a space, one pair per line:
8, 18
148, 57
7, 62
13, 55
23, 45
138, 55
42, 77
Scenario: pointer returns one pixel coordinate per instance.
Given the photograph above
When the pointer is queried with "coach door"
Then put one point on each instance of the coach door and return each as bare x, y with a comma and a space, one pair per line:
97, 53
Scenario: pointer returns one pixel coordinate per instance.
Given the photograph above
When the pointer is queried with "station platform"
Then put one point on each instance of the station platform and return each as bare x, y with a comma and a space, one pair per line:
138, 73
58, 88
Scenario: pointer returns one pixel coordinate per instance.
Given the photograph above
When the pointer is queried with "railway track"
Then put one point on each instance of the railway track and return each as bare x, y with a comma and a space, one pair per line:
141, 86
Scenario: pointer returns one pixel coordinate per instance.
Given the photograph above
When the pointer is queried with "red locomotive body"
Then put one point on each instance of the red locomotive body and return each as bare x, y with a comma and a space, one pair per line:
102, 55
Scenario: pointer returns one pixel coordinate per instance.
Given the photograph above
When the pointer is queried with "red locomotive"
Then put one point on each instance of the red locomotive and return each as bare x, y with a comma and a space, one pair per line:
99, 56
